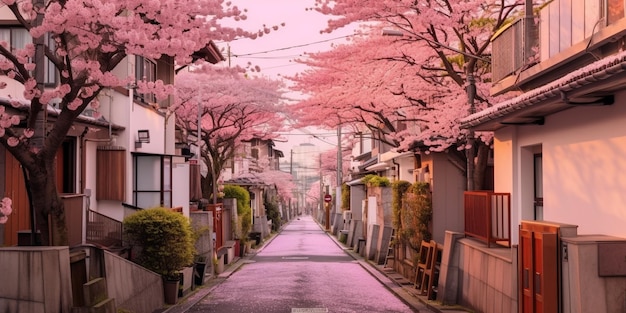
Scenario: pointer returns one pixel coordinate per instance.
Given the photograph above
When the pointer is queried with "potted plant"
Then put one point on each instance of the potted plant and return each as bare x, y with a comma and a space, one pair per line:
163, 242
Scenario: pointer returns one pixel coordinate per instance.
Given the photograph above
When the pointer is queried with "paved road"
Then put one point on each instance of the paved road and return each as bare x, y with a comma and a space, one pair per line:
301, 270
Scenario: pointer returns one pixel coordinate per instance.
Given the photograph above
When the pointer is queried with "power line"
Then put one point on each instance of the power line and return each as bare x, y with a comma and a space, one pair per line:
291, 47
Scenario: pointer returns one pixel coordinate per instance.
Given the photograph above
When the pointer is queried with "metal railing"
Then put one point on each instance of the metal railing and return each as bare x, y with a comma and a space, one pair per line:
103, 230
488, 217
512, 48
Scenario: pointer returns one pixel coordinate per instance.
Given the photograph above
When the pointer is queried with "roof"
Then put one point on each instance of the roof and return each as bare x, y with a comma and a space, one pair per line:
209, 53
246, 180
24, 106
593, 84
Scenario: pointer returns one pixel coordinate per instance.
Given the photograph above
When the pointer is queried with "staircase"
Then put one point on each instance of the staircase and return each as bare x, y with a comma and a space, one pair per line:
91, 296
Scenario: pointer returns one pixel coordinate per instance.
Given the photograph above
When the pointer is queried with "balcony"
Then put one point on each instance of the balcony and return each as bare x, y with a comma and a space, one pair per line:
569, 34
488, 217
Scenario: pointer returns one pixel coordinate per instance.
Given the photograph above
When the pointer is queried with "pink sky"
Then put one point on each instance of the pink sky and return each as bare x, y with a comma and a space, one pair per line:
301, 30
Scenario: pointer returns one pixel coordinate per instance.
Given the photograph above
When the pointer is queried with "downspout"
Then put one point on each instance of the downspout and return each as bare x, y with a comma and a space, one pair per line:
397, 166
83, 156
83, 152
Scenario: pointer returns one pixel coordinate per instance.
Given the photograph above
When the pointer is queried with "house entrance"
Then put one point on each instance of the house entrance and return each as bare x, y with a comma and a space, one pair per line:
539, 265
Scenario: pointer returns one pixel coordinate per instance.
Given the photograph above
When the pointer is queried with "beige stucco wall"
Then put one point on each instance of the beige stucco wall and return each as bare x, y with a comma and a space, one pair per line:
583, 152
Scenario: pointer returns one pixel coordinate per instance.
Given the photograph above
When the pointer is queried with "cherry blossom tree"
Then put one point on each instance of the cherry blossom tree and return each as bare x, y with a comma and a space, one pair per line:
233, 108
282, 181
84, 41
457, 33
329, 165
5, 210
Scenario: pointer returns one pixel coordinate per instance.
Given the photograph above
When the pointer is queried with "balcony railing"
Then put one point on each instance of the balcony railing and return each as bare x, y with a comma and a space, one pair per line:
512, 48
103, 230
559, 26
488, 217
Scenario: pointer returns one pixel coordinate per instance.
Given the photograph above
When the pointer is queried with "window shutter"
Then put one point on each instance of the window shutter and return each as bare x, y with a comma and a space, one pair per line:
110, 172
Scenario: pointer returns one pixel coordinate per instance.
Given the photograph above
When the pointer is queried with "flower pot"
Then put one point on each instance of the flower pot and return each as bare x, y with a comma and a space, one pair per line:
170, 290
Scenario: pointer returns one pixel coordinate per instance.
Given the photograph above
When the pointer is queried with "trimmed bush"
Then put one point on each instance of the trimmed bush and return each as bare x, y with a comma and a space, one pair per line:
165, 240
243, 208
372, 180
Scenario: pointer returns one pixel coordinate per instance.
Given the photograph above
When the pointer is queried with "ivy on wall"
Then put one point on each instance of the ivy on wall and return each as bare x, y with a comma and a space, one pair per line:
412, 212
345, 197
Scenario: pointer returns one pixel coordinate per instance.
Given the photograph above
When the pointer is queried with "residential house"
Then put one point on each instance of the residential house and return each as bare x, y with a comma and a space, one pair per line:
254, 156
111, 163
447, 183
559, 151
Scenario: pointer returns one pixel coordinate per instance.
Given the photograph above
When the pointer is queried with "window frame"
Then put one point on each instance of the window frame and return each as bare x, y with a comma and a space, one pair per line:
160, 166
145, 70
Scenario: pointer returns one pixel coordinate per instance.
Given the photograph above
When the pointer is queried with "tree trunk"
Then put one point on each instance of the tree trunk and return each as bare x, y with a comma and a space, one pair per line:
49, 212
480, 165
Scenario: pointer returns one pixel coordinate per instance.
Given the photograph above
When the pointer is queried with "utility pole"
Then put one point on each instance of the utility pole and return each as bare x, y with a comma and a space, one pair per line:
290, 173
339, 171
471, 95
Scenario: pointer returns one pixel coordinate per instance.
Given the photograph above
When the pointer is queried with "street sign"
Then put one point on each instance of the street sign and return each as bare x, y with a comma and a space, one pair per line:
328, 198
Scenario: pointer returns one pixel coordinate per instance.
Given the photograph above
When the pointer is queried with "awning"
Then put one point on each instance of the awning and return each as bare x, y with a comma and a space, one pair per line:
388, 156
380, 166
355, 182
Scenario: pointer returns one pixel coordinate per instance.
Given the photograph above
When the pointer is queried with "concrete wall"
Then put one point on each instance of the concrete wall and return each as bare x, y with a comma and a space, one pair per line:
583, 289
35, 279
447, 185
133, 287
357, 195
476, 277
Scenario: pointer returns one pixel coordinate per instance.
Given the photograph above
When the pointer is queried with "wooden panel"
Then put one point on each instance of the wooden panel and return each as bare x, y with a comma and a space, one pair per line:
538, 273
110, 173
526, 270
546, 271
15, 189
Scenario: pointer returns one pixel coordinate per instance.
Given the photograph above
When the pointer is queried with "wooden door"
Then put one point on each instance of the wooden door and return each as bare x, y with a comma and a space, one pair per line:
538, 273
14, 188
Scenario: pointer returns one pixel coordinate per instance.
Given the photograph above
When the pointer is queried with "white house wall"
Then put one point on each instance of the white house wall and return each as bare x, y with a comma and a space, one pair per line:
180, 184
584, 162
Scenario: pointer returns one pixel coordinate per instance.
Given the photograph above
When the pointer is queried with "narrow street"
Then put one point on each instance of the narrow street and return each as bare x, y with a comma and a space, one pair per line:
301, 270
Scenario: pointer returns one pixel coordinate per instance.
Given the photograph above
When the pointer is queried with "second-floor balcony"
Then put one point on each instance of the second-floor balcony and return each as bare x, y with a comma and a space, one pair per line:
557, 39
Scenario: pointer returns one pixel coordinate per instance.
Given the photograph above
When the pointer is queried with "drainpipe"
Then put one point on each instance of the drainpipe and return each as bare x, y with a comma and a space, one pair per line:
397, 165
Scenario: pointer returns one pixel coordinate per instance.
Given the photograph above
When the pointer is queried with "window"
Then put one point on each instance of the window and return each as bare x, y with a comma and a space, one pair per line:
152, 181
18, 38
615, 10
52, 75
145, 70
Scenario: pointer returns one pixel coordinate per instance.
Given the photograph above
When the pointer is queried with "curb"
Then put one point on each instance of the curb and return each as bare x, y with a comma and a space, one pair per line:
406, 293
195, 296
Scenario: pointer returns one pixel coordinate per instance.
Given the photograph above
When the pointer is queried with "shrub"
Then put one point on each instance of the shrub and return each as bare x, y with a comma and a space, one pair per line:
244, 212
416, 215
165, 239
272, 212
345, 197
398, 189
372, 180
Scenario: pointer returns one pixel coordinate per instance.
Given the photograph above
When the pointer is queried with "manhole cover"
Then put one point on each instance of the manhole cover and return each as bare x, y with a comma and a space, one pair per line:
309, 310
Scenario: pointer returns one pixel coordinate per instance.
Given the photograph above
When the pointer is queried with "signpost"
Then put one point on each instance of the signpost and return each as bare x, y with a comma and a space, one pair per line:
327, 199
